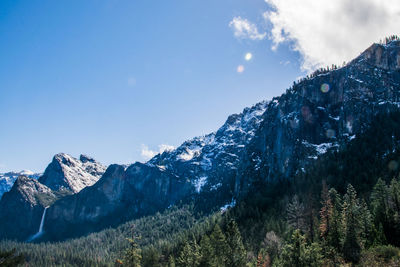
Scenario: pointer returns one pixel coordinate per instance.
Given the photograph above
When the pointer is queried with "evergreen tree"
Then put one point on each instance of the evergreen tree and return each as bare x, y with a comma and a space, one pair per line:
351, 245
190, 255
326, 213
234, 239
295, 214
393, 225
132, 257
297, 253
367, 234
221, 248
171, 261
208, 257
379, 202
150, 257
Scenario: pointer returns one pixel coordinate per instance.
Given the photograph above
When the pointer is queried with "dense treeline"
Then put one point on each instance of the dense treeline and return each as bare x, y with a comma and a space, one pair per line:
346, 230
102, 248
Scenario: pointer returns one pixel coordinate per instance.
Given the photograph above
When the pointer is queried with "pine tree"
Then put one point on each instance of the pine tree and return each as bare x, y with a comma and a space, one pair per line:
366, 226
379, 205
221, 248
297, 253
336, 228
295, 214
351, 245
234, 239
190, 255
150, 257
208, 257
171, 261
132, 257
393, 224
326, 213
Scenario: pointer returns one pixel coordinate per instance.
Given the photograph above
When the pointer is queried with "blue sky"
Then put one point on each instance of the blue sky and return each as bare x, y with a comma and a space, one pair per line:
109, 77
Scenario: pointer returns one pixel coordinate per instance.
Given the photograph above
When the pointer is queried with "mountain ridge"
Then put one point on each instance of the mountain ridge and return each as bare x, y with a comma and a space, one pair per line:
270, 141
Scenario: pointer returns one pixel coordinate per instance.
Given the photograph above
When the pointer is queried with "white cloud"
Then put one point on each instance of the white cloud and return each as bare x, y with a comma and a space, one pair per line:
148, 153
244, 29
329, 32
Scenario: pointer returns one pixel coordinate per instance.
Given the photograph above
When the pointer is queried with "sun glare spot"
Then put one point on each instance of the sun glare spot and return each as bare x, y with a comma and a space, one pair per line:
248, 56
240, 69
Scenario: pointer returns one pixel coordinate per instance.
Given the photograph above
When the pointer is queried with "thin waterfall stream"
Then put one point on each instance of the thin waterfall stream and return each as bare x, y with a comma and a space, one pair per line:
40, 232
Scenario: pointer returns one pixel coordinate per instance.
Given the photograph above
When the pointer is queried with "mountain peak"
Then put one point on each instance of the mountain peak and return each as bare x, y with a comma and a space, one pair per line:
385, 56
28, 189
67, 172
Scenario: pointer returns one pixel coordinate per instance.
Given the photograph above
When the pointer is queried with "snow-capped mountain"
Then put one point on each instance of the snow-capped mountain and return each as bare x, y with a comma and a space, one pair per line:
272, 140
68, 173
207, 159
7, 179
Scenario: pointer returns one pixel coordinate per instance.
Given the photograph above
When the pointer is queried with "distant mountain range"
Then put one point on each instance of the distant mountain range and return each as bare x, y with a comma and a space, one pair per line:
272, 140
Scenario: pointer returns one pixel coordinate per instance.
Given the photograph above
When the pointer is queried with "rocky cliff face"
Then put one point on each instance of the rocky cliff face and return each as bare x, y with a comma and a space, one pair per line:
7, 179
323, 113
68, 173
119, 195
21, 209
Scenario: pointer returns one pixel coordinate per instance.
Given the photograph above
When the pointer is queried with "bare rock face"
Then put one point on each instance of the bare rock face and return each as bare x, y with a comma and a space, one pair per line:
323, 113
21, 209
68, 173
383, 56
121, 194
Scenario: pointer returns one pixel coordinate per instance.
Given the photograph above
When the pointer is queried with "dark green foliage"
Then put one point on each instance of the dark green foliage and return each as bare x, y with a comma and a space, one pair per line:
190, 255
163, 231
298, 253
10, 258
132, 257
237, 251
220, 246
151, 257
207, 252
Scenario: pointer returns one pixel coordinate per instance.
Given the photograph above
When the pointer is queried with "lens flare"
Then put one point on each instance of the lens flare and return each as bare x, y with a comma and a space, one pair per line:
248, 56
240, 69
325, 88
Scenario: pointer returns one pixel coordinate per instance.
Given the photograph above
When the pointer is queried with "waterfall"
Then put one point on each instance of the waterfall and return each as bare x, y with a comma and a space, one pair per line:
40, 232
